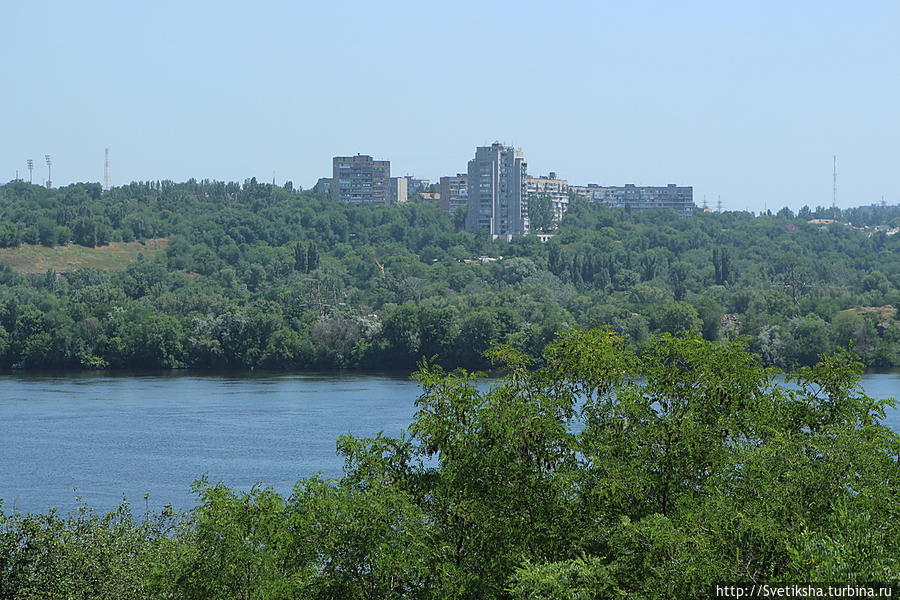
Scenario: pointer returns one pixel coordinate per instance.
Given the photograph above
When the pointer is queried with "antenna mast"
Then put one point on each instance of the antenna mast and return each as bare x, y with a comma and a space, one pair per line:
49, 178
719, 204
30, 164
834, 185
106, 170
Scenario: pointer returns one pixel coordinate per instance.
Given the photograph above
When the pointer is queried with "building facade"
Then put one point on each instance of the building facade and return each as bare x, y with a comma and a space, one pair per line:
632, 197
496, 189
361, 180
399, 190
557, 190
417, 185
454, 195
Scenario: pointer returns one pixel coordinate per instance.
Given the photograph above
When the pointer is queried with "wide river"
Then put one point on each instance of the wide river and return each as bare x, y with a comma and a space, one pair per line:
109, 437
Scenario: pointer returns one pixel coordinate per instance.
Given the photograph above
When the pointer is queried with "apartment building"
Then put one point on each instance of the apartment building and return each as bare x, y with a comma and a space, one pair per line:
454, 194
554, 188
496, 191
361, 180
417, 185
633, 197
399, 189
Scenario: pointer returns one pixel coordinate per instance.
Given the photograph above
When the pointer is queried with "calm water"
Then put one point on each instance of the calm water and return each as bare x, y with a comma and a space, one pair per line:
115, 436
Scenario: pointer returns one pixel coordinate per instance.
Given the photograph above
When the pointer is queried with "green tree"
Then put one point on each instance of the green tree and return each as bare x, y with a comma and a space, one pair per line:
300, 258
674, 317
312, 257
540, 212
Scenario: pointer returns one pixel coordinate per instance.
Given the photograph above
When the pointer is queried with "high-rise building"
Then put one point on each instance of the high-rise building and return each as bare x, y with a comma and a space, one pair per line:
361, 180
453, 192
496, 191
399, 189
557, 190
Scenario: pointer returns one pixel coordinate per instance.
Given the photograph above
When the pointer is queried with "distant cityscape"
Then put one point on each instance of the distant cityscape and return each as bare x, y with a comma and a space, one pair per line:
495, 189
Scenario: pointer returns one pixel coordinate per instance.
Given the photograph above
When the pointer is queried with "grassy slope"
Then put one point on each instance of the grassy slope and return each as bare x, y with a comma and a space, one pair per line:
114, 257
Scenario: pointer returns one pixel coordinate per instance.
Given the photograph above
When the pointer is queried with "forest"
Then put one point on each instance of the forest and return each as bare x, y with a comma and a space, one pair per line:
603, 474
261, 276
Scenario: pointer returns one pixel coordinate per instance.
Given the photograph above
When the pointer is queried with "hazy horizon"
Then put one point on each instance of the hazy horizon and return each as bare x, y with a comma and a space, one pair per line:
749, 103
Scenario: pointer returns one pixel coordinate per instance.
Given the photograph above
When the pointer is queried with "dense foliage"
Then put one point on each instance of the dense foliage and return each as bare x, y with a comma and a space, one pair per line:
264, 276
603, 474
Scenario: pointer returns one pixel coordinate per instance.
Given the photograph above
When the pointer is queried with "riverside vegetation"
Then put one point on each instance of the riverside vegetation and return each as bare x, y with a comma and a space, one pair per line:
256, 275
601, 473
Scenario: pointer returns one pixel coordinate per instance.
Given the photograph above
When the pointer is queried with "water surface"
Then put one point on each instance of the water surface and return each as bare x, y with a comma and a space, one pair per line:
115, 436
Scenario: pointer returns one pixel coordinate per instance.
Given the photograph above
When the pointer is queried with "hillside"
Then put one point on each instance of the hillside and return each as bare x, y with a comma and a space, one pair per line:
115, 256
255, 275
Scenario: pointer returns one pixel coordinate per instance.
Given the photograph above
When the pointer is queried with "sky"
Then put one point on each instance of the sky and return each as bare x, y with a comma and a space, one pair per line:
745, 101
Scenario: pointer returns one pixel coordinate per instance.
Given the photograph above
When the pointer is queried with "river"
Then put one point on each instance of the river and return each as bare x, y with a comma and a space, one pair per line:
109, 437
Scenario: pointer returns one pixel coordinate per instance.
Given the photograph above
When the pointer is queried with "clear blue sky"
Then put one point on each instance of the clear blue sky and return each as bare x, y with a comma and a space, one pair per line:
745, 100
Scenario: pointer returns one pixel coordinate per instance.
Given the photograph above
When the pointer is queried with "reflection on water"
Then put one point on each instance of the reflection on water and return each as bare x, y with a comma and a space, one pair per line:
124, 436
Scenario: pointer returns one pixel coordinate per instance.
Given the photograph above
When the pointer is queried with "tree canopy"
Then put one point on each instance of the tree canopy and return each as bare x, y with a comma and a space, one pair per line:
261, 276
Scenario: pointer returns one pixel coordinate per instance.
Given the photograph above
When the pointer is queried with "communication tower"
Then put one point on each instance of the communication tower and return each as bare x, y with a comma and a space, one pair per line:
834, 184
106, 170
30, 164
49, 165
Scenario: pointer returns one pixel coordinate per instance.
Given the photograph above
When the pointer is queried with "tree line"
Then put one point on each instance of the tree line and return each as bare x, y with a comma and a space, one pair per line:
263, 276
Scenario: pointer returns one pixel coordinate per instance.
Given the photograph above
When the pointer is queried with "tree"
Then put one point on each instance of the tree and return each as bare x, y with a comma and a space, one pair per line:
236, 547
807, 337
540, 212
300, 258
656, 495
87, 231
674, 317
785, 213
312, 257
514, 270
722, 265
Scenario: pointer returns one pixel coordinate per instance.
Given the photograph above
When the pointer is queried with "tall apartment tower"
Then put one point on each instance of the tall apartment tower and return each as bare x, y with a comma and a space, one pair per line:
361, 180
497, 192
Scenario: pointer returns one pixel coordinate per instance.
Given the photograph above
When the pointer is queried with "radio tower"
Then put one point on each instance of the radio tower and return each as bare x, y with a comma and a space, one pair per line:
30, 164
49, 178
834, 185
106, 170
